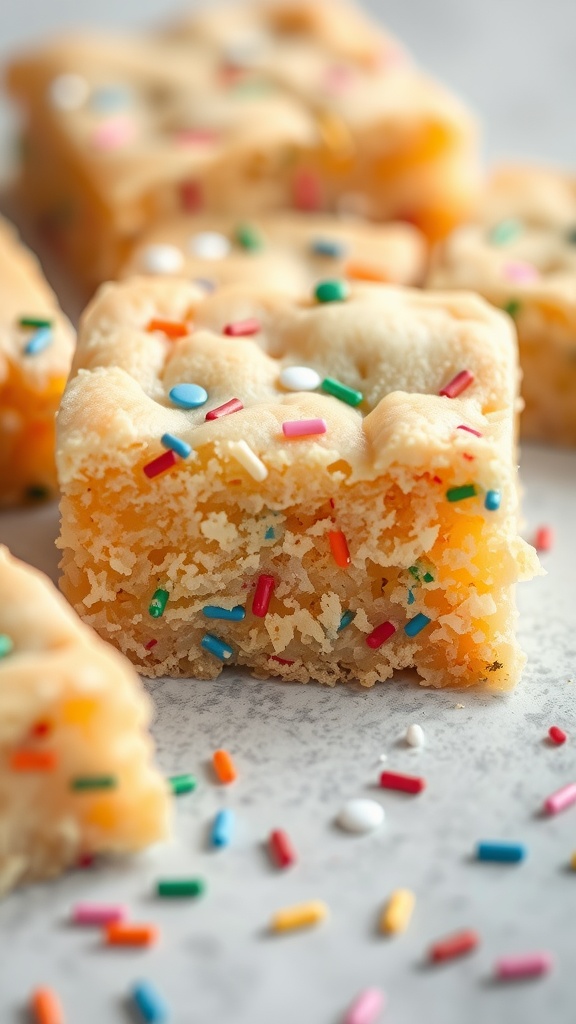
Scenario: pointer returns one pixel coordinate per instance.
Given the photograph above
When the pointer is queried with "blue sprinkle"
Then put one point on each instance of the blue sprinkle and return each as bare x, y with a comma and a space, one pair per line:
416, 625
346, 620
205, 283
188, 396
492, 500
150, 1003
411, 597
222, 828
269, 535
216, 647
39, 341
328, 247
505, 853
213, 611
110, 97
176, 444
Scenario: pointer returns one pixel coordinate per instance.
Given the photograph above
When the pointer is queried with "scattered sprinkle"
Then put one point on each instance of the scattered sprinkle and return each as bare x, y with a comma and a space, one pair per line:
303, 428
209, 245
503, 853
557, 735
339, 548
161, 259
242, 452
188, 396
39, 341
158, 603
122, 934
81, 783
34, 321
149, 1003
68, 92
347, 618
411, 598
151, 643
223, 828
270, 534
178, 887
160, 464
342, 391
354, 270
398, 911
328, 247
521, 272
33, 761
417, 624
281, 849
224, 767
512, 307
561, 799
331, 291
544, 538
41, 729
98, 913
113, 134
528, 965
454, 945
470, 430
458, 384
191, 196
299, 378
307, 191
180, 784
380, 635
360, 816
492, 501
6, 645
171, 328
176, 444
415, 736
46, 1007
367, 1007
214, 611
301, 915
242, 328
217, 647
263, 595
248, 237
460, 493
234, 405
281, 661
404, 783
506, 231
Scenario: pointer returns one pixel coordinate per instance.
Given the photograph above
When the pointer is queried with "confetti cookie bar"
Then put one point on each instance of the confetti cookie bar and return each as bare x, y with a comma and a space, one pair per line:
290, 252
317, 489
120, 134
520, 254
36, 345
76, 777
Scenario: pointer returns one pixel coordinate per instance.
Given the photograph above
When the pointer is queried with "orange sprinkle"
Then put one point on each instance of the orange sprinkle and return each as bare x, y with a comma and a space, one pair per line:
46, 1007
357, 271
121, 934
339, 546
33, 761
224, 766
171, 328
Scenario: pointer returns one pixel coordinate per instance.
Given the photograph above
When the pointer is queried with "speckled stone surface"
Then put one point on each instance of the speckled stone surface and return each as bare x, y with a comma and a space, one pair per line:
301, 752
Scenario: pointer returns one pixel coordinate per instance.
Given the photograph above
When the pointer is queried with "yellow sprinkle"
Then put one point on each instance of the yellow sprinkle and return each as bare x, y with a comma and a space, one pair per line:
301, 915
78, 710
397, 912
243, 454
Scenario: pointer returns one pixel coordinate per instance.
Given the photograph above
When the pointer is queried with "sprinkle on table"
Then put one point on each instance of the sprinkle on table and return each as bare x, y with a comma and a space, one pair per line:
492, 500
176, 444
561, 799
171, 328
234, 405
242, 328
397, 912
281, 849
180, 784
558, 736
33, 761
6, 645
544, 538
224, 767
417, 624
39, 341
248, 238
188, 396
299, 378
501, 852
380, 634
339, 548
347, 617
361, 816
46, 1007
98, 914
404, 783
304, 428
415, 735
263, 595
331, 291
338, 390
222, 828
87, 783
457, 385
214, 645
150, 1004
301, 915
243, 453
366, 1008
158, 603
176, 888
454, 946
214, 611
34, 321
123, 933
527, 965
160, 464
461, 493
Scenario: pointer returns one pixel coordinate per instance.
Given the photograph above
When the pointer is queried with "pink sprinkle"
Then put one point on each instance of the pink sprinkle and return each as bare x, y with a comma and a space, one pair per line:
462, 426
201, 136
234, 405
191, 196
529, 965
521, 272
99, 913
561, 799
150, 645
380, 635
307, 191
300, 428
367, 1007
161, 464
263, 595
557, 735
544, 538
458, 384
242, 328
338, 77
114, 134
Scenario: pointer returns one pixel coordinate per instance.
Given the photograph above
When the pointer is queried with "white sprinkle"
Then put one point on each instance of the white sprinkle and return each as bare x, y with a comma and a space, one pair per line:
161, 259
243, 454
415, 736
361, 816
68, 92
209, 245
299, 378
382, 758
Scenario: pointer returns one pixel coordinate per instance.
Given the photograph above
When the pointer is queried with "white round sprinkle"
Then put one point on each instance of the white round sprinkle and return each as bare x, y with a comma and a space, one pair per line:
299, 378
69, 92
209, 245
161, 259
382, 758
361, 816
415, 736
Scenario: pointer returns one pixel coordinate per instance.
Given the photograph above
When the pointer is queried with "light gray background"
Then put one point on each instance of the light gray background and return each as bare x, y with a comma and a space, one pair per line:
301, 751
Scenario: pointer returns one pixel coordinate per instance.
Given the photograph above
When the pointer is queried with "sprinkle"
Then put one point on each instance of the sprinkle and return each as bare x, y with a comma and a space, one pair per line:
492, 501
171, 328
557, 735
248, 237
214, 611
114, 133
453, 946
176, 444
280, 661
328, 247
46, 1007
158, 603
303, 428
380, 635
462, 426
39, 341
191, 196
415, 736
428, 577
299, 378
301, 915
361, 816
416, 625
151, 643
149, 1003
223, 828
224, 767
68, 92
367, 1007
307, 191
346, 619
281, 849
98, 913
521, 272
342, 391
331, 291
82, 783
270, 534
357, 271
242, 328
33, 761
505, 231
41, 729
528, 965
411, 598
6, 645
122, 934
503, 853
107, 98
460, 493
561, 799
161, 259
234, 405
404, 783
217, 647
397, 913
457, 385
544, 538
180, 784
34, 321
242, 452
209, 245
160, 464
512, 307
188, 396
339, 548
263, 595
177, 887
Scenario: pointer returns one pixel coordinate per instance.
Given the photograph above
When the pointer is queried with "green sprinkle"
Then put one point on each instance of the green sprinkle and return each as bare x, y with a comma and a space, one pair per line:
249, 238
158, 603
342, 391
6, 645
414, 571
34, 321
506, 231
85, 782
331, 291
459, 493
512, 308
182, 784
181, 887
346, 620
428, 577
36, 492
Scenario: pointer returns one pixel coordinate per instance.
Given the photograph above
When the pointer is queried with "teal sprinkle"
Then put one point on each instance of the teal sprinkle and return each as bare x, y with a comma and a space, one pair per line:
411, 597
346, 619
416, 625
428, 577
506, 231
6, 645
214, 611
492, 501
217, 647
269, 535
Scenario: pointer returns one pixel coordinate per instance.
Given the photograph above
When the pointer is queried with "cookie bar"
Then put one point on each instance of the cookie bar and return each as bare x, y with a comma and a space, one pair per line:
120, 133
289, 252
36, 344
520, 254
322, 488
76, 776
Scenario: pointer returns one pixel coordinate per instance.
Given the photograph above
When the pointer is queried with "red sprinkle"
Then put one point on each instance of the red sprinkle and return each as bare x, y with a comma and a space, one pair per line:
406, 783
234, 405
150, 645
557, 735
41, 728
263, 595
339, 548
281, 661
380, 635
281, 849
458, 384
462, 426
307, 191
161, 464
544, 538
453, 946
191, 196
242, 328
